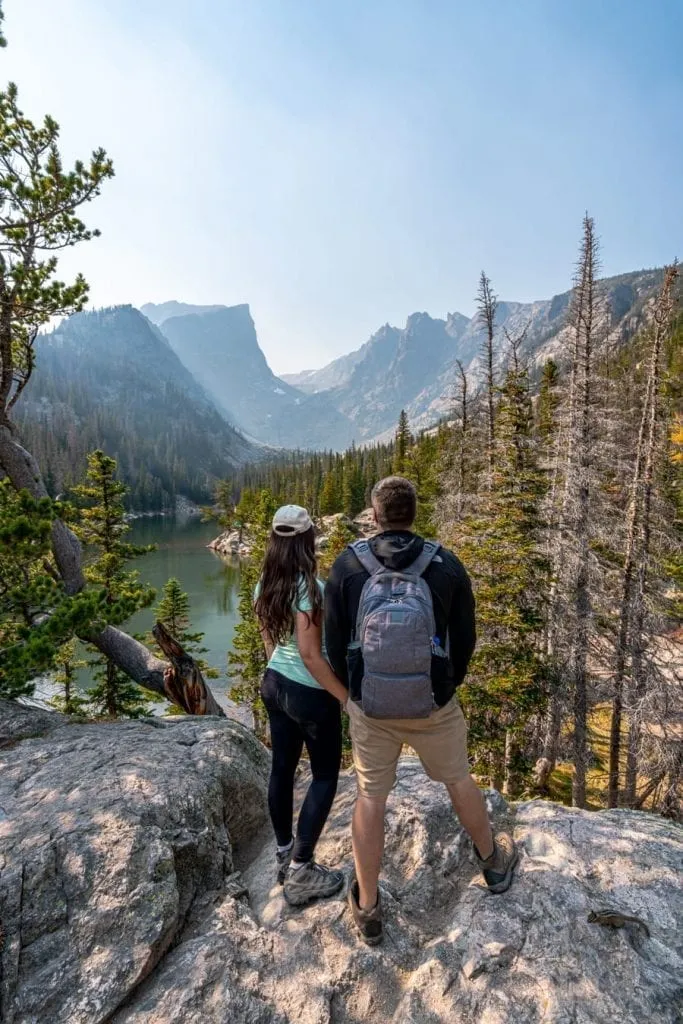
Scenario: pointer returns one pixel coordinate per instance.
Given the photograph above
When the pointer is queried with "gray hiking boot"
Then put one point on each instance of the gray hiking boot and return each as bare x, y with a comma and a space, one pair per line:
284, 859
499, 867
311, 882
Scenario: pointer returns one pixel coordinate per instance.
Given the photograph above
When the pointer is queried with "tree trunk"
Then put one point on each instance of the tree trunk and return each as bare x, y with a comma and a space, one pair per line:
24, 474
510, 782
129, 654
647, 442
545, 765
584, 434
648, 791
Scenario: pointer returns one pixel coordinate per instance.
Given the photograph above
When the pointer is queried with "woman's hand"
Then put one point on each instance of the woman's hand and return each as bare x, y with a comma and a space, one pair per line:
309, 642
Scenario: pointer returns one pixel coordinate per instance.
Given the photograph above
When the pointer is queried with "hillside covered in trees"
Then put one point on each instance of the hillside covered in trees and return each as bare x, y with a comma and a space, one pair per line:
108, 379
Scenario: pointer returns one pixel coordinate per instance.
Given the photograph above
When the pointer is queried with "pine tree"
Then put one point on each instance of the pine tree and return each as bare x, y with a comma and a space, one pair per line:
340, 537
487, 304
403, 442
36, 613
571, 595
548, 400
173, 611
102, 528
68, 701
353, 494
329, 497
499, 544
248, 657
636, 581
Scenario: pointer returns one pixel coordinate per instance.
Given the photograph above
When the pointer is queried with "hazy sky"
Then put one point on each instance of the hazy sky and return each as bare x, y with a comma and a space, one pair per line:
341, 165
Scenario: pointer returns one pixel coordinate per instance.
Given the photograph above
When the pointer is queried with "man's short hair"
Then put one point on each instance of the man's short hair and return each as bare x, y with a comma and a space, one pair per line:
394, 500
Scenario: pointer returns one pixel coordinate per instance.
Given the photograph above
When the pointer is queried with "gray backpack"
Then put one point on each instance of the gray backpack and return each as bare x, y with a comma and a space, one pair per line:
395, 632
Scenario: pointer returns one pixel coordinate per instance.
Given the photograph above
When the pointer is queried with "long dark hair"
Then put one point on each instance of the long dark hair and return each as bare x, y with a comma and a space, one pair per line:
289, 573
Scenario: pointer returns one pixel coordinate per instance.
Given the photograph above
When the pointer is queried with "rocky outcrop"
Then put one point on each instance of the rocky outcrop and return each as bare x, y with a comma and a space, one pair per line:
109, 835
121, 904
231, 544
237, 544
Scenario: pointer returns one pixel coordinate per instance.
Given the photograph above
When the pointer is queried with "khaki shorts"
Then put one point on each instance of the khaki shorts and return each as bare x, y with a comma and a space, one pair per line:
440, 742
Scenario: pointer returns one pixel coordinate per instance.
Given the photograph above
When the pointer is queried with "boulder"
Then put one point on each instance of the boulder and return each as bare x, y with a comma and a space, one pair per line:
365, 523
328, 523
109, 835
230, 545
121, 900
452, 952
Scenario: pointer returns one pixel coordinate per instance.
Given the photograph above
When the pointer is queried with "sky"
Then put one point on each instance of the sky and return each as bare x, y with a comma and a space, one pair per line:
340, 165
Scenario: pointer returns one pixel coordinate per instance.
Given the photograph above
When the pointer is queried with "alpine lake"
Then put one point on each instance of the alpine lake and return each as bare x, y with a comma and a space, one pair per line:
211, 583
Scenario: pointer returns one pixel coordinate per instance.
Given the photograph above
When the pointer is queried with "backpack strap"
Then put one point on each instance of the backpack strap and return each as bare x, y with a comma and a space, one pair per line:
424, 559
363, 552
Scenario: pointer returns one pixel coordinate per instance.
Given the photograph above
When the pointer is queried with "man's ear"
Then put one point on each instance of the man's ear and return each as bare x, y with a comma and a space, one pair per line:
374, 517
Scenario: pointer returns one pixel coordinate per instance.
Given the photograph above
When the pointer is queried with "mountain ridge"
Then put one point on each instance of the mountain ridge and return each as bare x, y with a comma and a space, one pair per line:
110, 379
220, 348
420, 372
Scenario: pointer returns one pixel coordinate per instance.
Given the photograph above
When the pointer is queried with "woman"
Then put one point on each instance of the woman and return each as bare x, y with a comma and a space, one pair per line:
302, 696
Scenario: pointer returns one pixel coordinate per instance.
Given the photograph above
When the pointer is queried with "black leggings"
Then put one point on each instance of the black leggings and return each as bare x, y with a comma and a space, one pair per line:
301, 714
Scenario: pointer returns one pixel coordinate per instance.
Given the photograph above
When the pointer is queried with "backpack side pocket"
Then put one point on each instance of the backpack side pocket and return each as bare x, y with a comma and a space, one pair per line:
355, 668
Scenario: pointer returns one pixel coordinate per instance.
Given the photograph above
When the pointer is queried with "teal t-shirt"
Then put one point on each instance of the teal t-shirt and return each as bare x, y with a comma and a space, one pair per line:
286, 658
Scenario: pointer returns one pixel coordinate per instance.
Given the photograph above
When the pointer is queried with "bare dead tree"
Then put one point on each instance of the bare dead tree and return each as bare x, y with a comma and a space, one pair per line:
636, 549
463, 413
663, 317
487, 304
515, 343
570, 595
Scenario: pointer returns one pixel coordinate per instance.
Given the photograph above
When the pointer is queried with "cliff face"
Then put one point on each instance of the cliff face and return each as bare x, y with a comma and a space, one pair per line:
221, 349
136, 886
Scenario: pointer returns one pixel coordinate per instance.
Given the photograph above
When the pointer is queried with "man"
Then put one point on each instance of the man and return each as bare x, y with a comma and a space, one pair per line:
380, 655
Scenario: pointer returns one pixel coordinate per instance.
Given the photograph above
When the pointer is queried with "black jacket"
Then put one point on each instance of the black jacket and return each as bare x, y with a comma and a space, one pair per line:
452, 597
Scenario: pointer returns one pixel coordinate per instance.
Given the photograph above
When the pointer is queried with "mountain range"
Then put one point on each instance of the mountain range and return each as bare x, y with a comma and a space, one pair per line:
414, 368
180, 393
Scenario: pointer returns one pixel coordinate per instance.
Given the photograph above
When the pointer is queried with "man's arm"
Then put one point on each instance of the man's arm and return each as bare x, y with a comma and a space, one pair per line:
462, 632
337, 626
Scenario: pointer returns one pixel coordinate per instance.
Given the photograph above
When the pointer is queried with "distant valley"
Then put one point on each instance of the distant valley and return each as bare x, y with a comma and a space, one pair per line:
181, 393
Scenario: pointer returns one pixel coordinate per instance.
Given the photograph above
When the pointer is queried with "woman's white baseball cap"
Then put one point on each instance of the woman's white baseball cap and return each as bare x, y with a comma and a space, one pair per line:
291, 519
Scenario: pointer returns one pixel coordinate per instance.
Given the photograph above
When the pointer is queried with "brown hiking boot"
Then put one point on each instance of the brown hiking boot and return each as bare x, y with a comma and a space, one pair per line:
368, 922
499, 867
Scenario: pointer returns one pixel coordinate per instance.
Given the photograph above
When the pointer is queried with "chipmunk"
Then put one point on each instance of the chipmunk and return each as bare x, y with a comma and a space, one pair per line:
616, 919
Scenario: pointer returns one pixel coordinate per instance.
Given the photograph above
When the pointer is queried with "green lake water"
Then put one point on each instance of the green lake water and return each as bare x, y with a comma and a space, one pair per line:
211, 582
